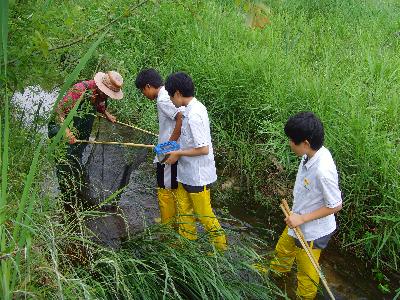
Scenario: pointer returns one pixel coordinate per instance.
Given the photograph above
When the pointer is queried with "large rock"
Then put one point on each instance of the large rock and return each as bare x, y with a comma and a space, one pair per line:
117, 185
108, 167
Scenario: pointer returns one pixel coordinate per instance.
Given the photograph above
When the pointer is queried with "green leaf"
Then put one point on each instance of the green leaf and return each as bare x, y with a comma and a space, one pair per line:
25, 193
238, 2
41, 43
384, 288
6, 133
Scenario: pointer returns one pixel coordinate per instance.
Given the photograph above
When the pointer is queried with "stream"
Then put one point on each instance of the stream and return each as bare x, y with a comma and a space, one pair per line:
347, 275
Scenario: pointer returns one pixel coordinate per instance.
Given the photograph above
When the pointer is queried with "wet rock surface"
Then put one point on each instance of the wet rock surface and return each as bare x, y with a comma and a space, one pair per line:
108, 167
117, 184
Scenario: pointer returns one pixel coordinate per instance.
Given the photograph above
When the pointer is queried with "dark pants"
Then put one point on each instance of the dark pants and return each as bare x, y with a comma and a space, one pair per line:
71, 178
69, 168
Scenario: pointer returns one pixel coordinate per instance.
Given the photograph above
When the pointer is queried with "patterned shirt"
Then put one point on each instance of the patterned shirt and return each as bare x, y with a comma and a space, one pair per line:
72, 96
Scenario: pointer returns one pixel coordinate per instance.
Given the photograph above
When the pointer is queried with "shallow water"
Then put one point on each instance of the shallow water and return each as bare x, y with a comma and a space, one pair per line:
34, 102
348, 276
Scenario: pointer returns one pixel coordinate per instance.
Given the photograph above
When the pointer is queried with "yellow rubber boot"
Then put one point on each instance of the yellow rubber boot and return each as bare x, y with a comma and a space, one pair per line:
307, 276
203, 211
185, 218
285, 253
167, 203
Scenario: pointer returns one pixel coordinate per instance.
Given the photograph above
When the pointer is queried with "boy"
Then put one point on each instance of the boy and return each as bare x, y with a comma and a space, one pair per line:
150, 83
316, 199
196, 168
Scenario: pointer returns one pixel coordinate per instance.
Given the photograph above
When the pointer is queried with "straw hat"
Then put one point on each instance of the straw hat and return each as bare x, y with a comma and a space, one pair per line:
110, 83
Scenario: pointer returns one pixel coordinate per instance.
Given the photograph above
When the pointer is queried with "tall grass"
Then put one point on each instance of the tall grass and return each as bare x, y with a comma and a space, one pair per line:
34, 244
336, 58
144, 268
330, 57
5, 265
15, 240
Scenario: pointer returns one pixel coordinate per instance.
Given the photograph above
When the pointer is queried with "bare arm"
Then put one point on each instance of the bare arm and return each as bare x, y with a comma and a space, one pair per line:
71, 137
177, 130
295, 220
68, 133
175, 155
109, 116
192, 152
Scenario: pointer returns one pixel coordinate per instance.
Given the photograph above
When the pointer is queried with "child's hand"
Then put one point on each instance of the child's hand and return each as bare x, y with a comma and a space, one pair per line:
173, 157
294, 220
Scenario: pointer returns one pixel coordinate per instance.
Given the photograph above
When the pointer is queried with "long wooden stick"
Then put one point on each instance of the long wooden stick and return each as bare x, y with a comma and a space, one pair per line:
285, 208
116, 143
133, 127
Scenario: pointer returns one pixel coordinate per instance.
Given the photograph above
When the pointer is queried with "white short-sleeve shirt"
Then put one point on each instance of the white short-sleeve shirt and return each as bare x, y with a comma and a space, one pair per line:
195, 133
167, 112
316, 186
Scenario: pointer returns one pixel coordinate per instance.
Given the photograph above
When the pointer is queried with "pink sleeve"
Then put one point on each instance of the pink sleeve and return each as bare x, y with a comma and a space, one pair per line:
68, 102
101, 106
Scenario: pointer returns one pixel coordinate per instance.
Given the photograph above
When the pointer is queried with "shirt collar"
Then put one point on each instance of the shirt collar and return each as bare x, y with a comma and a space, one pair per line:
313, 159
189, 106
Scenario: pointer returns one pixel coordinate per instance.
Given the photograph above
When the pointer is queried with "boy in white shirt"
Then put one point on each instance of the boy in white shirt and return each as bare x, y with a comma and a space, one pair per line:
316, 199
150, 83
196, 168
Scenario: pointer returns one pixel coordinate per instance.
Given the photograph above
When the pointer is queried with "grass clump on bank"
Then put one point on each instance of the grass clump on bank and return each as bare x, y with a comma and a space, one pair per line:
144, 268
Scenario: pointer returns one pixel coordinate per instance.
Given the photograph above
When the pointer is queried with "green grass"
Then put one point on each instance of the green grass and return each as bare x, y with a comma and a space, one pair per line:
337, 58
146, 267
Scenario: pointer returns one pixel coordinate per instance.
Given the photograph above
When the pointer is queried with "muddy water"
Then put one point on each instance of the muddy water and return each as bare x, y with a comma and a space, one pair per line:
348, 277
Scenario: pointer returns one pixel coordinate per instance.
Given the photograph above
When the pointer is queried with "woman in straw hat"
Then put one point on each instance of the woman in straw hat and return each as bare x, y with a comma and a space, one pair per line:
91, 97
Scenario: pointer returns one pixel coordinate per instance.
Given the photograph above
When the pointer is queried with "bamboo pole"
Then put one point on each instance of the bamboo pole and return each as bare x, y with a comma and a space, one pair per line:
116, 143
285, 208
133, 127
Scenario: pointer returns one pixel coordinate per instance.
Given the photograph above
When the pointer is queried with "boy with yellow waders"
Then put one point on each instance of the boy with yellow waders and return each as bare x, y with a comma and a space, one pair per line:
316, 199
196, 168
150, 83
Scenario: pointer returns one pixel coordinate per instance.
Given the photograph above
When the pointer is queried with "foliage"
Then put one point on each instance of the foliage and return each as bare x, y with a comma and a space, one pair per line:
336, 58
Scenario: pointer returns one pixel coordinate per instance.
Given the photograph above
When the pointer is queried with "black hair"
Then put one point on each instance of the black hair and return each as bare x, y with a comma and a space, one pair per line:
305, 126
179, 82
150, 77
